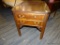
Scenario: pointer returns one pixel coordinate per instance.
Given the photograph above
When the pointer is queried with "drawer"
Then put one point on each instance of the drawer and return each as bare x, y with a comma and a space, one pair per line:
27, 16
31, 22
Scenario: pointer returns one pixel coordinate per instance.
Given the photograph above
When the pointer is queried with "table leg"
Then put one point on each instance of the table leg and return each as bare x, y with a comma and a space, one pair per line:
18, 29
42, 32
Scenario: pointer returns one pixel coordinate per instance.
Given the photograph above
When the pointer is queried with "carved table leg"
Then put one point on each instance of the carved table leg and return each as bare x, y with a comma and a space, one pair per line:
42, 32
43, 26
18, 29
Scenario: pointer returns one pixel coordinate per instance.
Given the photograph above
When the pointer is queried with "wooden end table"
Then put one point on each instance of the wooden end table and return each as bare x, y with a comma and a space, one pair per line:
31, 14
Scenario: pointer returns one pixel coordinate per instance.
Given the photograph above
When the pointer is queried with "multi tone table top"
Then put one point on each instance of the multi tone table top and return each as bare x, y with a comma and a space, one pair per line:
33, 7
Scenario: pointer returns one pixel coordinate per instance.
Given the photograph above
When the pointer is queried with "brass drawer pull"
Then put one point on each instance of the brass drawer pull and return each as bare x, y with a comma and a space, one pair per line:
20, 16
36, 23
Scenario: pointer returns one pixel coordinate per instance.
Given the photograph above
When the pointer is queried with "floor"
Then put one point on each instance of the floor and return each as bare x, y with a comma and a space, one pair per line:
30, 36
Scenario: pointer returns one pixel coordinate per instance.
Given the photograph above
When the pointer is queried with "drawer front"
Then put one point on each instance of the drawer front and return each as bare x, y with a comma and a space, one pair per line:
36, 17
30, 22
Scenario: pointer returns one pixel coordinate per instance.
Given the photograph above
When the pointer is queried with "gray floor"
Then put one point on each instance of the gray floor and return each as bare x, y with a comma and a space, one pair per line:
30, 36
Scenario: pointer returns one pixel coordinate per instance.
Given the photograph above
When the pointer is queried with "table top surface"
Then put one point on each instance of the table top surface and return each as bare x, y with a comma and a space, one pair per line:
33, 6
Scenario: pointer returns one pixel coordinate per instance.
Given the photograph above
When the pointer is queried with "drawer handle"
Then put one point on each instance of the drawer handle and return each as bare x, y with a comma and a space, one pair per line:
36, 22
19, 16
